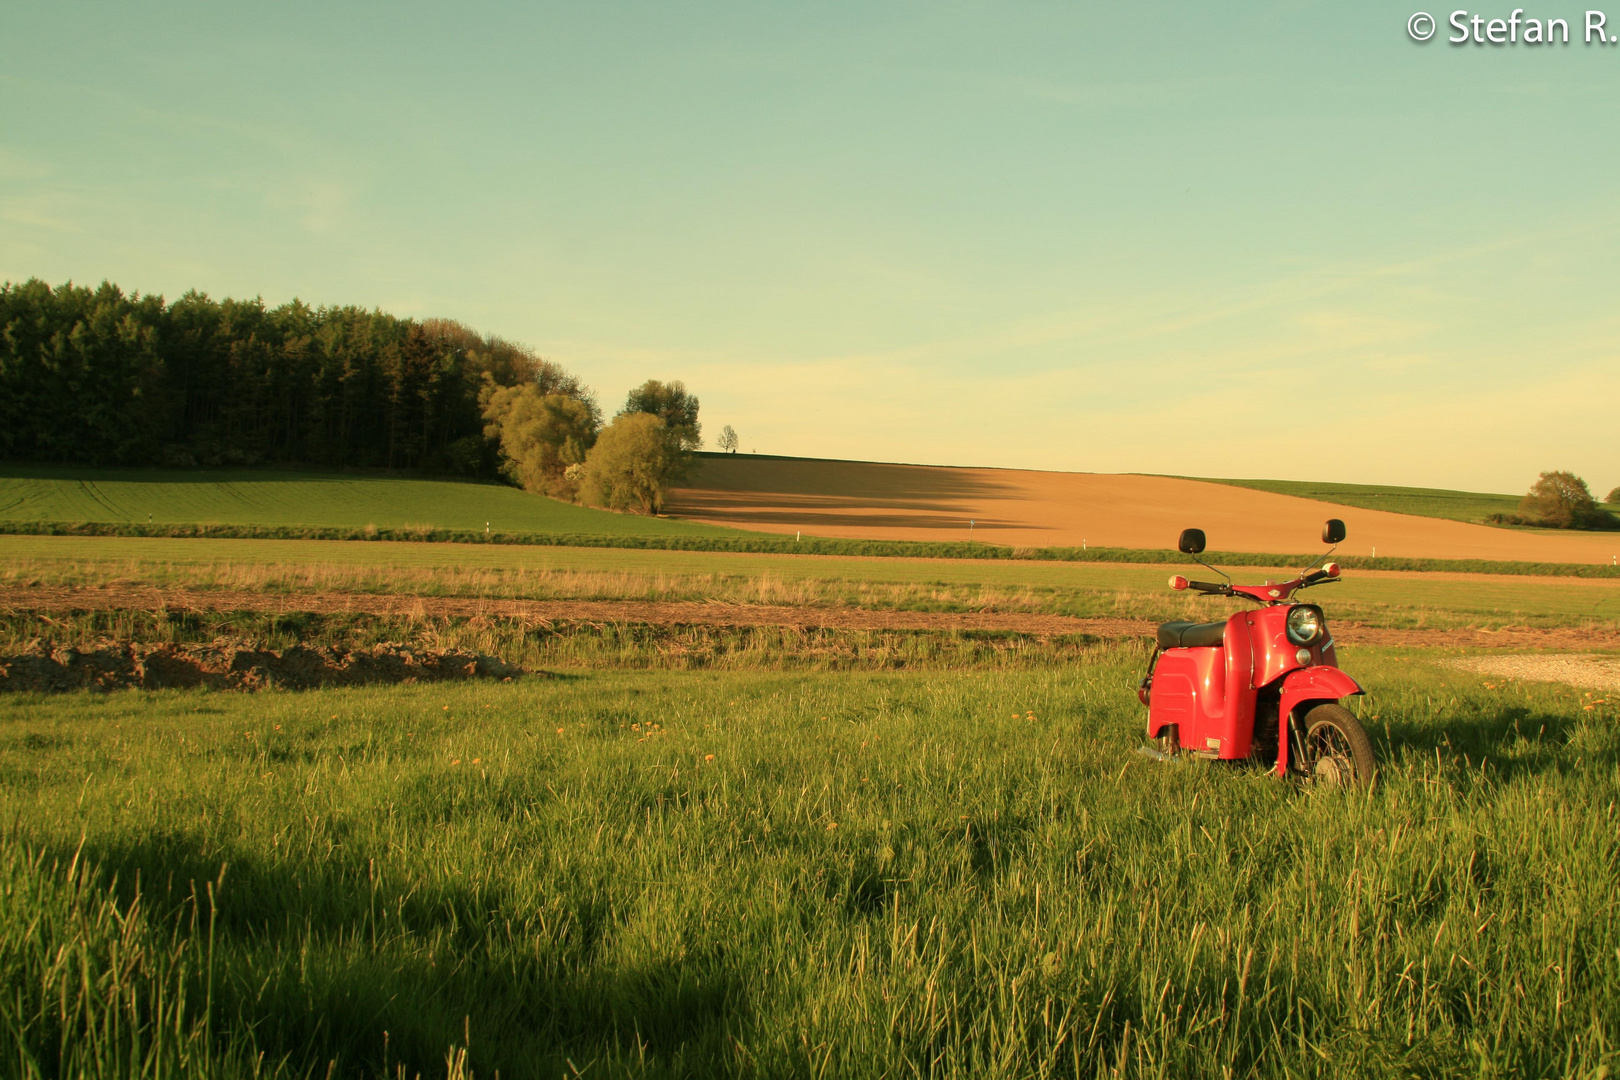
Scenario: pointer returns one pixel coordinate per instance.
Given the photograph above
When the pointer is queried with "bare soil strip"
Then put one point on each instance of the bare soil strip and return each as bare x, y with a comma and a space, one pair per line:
225, 665
116, 598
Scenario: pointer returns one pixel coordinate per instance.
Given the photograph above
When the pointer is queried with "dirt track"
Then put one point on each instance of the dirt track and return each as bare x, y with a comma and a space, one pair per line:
226, 665
866, 500
719, 614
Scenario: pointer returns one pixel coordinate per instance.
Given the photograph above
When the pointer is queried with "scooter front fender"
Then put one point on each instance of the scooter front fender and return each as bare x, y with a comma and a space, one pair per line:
1320, 683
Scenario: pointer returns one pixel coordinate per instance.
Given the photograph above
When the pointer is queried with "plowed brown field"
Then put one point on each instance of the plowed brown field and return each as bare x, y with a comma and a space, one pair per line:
121, 598
865, 500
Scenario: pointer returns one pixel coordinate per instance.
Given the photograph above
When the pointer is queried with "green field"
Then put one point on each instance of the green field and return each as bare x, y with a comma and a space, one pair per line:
1083, 589
273, 498
750, 852
760, 875
1472, 506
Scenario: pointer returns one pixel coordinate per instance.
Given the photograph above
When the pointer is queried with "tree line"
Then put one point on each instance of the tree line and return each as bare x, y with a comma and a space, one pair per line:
95, 376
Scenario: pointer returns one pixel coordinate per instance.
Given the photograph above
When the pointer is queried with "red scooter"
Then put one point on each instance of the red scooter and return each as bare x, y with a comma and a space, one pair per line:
1264, 685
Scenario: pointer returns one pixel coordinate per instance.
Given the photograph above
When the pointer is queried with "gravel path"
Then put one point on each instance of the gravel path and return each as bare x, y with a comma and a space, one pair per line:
1594, 672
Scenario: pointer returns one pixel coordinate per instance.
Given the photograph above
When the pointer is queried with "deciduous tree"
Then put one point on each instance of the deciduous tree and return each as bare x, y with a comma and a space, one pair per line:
671, 403
540, 436
728, 441
632, 464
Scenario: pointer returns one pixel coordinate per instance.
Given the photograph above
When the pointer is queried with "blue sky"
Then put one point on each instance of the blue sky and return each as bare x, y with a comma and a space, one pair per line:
1275, 240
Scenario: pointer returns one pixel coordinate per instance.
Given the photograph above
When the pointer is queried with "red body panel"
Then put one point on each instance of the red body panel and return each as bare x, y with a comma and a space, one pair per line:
1208, 697
1274, 655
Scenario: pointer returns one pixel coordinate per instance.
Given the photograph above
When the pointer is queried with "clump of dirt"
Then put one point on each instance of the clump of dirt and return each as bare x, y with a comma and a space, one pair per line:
236, 665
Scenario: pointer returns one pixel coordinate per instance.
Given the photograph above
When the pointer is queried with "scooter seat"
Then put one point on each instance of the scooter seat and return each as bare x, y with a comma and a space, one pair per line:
1191, 635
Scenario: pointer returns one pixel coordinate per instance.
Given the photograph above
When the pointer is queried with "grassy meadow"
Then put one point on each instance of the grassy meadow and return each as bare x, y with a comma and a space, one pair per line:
1471, 506
303, 499
688, 851
756, 873
1381, 598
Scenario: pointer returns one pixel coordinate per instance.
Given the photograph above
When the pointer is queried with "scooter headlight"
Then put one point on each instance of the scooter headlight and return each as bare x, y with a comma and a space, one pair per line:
1305, 624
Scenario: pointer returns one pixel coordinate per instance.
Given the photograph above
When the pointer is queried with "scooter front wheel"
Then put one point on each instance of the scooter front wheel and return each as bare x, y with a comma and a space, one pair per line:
1336, 750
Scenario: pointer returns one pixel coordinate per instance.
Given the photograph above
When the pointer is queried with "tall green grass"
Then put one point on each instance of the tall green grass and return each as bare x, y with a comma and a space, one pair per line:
97, 986
867, 874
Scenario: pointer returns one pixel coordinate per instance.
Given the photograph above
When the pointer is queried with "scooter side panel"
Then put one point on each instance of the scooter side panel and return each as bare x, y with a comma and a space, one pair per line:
1189, 687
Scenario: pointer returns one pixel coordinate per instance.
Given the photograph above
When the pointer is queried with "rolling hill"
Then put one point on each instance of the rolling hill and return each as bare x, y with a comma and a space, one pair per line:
732, 495
1024, 508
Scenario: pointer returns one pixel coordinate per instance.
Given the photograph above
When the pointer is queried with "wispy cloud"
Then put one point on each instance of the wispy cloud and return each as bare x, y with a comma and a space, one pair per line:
52, 211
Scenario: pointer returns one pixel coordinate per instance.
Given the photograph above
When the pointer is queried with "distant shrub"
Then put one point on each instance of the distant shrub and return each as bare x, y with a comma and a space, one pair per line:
1613, 498
1561, 500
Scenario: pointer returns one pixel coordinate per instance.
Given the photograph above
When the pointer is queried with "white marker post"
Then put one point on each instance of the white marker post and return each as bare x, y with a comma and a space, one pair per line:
970, 530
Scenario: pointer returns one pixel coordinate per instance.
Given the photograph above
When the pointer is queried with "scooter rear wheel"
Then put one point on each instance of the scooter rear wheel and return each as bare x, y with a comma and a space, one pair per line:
1336, 750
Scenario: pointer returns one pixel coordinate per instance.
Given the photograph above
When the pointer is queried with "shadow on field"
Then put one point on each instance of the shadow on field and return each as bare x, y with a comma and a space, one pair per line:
836, 494
324, 957
1515, 739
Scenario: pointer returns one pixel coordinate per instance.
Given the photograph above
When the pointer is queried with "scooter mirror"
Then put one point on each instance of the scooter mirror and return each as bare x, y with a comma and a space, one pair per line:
1192, 541
1333, 531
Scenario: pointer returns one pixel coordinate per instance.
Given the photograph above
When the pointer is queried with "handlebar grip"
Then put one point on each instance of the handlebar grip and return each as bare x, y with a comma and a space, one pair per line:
1205, 586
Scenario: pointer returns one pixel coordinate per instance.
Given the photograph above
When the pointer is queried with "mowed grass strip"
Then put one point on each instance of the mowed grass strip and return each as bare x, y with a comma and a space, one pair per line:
1381, 598
303, 499
662, 874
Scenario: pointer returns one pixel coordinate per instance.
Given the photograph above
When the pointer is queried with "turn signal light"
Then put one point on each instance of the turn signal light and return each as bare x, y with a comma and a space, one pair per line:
1332, 569
1178, 583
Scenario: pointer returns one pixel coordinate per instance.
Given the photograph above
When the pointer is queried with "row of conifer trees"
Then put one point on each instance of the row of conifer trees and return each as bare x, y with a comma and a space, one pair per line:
98, 376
